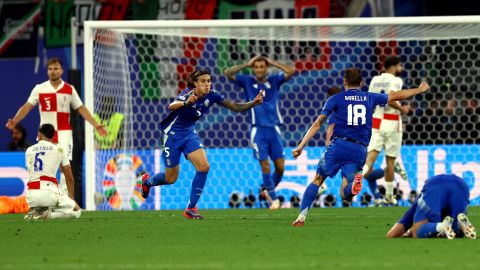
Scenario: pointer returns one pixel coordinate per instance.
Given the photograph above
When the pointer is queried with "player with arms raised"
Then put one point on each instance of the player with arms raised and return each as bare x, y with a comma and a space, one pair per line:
352, 110
180, 136
265, 119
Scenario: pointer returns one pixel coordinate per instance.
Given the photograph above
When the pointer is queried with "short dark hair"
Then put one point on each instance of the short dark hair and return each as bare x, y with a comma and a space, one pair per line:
390, 61
54, 60
353, 76
193, 77
261, 59
333, 90
22, 129
47, 130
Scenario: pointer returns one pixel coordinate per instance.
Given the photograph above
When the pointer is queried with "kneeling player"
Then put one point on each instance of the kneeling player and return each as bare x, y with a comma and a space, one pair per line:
44, 197
443, 197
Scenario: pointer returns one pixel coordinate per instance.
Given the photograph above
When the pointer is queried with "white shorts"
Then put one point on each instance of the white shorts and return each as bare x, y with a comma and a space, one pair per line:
65, 140
49, 196
389, 141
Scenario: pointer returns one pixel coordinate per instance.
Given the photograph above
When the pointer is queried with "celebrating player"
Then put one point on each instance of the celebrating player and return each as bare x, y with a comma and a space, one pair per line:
180, 136
352, 110
44, 197
387, 130
265, 119
55, 98
443, 197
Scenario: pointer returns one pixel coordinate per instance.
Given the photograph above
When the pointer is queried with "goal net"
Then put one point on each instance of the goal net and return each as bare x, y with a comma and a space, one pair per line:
134, 69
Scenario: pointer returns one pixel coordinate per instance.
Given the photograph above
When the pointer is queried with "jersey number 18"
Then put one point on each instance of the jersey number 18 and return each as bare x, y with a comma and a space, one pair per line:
356, 112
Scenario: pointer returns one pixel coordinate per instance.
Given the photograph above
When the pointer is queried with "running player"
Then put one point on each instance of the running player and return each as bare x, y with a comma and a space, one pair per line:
352, 111
180, 136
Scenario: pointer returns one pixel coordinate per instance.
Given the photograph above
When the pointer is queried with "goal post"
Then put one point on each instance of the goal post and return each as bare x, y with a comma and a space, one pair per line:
134, 69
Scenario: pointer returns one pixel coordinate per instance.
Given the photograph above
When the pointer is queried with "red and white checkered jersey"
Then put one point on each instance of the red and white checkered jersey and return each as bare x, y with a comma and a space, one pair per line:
386, 83
43, 159
55, 105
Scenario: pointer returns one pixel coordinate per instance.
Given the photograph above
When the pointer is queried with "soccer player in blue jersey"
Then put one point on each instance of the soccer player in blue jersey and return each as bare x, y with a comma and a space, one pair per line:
352, 114
265, 119
444, 197
179, 136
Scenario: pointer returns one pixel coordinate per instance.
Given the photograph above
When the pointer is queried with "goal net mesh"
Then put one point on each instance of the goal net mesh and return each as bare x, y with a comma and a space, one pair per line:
137, 72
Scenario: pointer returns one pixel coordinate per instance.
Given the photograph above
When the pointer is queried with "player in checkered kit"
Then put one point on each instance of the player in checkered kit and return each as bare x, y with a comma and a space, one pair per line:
55, 98
44, 196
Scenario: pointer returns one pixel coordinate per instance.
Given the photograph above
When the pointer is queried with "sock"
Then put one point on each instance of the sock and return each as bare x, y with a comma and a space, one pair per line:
59, 215
158, 179
197, 187
276, 179
347, 192
389, 188
428, 230
365, 169
268, 184
407, 219
372, 180
308, 198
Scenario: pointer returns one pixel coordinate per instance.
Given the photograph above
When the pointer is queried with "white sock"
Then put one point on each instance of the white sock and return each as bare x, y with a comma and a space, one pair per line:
439, 226
389, 188
73, 214
365, 169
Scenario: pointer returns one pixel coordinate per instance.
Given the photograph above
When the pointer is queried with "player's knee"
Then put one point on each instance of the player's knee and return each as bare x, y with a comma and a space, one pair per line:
171, 178
265, 166
204, 167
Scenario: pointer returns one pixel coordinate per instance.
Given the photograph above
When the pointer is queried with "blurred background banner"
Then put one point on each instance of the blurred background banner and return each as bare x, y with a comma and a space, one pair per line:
19, 21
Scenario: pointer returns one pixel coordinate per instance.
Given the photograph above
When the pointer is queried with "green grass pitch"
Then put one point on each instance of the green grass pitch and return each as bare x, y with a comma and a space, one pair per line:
343, 238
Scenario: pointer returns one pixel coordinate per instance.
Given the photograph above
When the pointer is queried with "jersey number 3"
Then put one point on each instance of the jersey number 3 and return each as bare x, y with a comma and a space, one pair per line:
356, 112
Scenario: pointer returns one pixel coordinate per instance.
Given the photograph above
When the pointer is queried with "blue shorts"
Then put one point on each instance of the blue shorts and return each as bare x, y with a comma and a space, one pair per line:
345, 155
442, 195
176, 144
266, 142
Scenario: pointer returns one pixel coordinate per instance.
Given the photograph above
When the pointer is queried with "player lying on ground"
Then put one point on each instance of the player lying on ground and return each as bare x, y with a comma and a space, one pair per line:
352, 110
444, 197
179, 136
44, 197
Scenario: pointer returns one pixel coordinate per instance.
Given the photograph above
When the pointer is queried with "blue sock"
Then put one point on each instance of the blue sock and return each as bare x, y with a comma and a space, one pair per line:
372, 181
308, 198
427, 230
347, 192
268, 184
197, 187
276, 178
158, 179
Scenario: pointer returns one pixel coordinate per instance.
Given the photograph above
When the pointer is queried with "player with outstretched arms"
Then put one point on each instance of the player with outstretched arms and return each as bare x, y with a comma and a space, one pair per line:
179, 136
44, 197
352, 110
386, 131
55, 98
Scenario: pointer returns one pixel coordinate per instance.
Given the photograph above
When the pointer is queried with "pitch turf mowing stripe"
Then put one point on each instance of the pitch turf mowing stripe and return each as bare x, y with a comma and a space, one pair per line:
228, 239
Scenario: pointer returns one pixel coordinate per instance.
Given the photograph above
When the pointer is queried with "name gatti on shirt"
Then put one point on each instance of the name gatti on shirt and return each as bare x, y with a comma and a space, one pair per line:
356, 98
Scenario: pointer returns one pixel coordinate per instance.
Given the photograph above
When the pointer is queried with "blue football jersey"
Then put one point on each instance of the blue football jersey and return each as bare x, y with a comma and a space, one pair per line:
266, 114
351, 112
183, 119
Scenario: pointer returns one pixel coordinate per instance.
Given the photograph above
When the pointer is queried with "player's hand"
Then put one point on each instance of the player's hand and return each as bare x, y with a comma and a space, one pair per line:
191, 99
10, 124
101, 130
297, 152
259, 98
424, 87
250, 63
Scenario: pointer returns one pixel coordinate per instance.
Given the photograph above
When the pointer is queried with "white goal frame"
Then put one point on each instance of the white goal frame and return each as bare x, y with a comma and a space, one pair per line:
130, 26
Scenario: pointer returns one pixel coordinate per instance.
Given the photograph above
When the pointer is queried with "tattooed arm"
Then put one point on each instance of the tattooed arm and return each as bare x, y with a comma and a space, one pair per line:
242, 107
